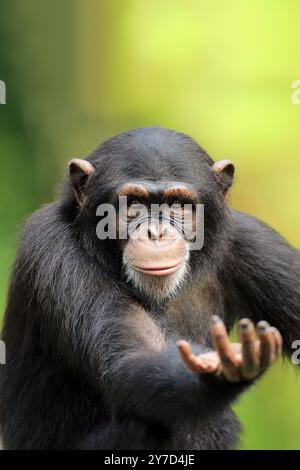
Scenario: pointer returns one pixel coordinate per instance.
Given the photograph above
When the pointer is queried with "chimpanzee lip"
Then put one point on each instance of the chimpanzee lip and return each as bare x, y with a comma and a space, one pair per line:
163, 270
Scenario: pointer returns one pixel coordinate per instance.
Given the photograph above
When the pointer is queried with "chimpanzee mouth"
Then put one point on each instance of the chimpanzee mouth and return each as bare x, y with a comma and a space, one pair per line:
159, 280
163, 270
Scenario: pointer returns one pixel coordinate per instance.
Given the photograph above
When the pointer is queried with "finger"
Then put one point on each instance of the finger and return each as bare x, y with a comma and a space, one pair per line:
210, 356
237, 347
211, 367
250, 356
267, 345
192, 361
278, 342
186, 352
222, 344
212, 360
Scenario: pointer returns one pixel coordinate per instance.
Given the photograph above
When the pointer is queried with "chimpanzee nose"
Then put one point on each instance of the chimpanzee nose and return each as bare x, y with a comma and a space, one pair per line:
157, 231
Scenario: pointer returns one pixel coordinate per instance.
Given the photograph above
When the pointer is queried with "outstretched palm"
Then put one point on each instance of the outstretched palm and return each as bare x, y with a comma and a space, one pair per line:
257, 350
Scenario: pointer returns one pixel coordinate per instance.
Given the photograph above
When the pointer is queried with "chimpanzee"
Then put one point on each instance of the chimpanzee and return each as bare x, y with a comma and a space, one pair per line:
121, 342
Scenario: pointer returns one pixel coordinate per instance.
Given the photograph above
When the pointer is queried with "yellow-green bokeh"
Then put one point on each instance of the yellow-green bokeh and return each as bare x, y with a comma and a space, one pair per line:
78, 71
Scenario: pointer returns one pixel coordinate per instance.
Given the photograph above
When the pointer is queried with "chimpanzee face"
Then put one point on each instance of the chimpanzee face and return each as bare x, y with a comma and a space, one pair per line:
158, 221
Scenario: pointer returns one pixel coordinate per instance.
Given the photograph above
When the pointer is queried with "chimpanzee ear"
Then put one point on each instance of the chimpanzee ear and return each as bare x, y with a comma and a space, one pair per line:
225, 170
80, 170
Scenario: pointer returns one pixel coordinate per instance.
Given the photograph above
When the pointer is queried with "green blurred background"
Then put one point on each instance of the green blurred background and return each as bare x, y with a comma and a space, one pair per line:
78, 71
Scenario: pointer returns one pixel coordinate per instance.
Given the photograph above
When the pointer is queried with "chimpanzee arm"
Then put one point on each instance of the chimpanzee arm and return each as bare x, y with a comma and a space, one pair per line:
261, 277
87, 325
143, 381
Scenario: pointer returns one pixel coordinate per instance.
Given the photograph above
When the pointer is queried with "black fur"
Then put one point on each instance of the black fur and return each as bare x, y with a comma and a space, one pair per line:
91, 363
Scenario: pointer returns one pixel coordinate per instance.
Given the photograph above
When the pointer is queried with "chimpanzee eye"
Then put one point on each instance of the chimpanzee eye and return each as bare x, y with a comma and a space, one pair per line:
135, 208
134, 202
177, 203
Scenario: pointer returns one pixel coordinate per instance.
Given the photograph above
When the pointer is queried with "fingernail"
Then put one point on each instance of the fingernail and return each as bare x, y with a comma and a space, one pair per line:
263, 326
275, 332
215, 320
244, 324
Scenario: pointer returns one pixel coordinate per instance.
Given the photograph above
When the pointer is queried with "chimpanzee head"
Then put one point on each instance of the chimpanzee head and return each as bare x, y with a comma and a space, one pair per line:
157, 183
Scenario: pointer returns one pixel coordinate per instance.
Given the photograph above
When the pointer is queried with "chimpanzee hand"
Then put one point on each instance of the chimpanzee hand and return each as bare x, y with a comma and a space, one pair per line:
246, 360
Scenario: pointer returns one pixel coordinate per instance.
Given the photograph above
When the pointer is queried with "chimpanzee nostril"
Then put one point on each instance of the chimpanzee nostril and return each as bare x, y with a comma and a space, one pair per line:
153, 232
157, 231
164, 231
